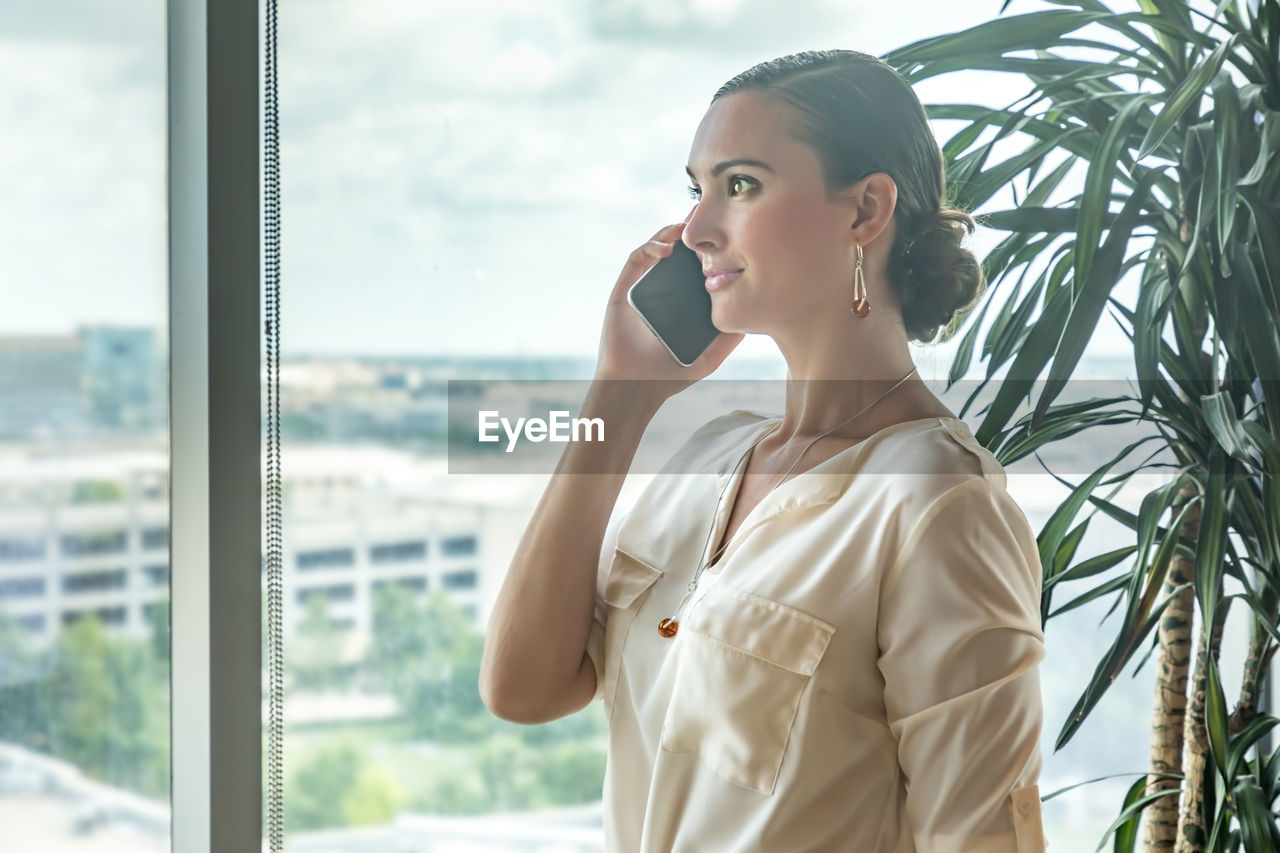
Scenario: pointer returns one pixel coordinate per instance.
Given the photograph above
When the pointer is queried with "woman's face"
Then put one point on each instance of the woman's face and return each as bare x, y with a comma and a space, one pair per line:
771, 219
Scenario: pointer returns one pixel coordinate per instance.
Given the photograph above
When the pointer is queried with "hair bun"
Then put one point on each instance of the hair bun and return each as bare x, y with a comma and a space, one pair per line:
937, 276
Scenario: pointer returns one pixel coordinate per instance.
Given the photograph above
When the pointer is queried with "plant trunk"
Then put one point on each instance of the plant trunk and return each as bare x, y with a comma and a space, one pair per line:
1192, 832
1255, 667
1160, 827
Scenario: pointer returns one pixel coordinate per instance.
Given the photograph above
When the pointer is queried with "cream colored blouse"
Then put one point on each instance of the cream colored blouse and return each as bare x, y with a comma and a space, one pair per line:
859, 670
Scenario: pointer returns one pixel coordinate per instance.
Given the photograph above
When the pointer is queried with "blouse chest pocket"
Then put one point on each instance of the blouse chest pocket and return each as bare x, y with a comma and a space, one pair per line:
744, 663
626, 583
628, 579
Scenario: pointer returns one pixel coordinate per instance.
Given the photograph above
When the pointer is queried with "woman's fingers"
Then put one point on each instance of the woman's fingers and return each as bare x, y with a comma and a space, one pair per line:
668, 233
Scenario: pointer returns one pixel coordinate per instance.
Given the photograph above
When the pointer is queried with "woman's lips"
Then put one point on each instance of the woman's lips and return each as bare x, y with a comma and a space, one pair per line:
715, 282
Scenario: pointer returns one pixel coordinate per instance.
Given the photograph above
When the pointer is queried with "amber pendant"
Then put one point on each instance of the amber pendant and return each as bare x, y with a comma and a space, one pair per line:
861, 308
668, 627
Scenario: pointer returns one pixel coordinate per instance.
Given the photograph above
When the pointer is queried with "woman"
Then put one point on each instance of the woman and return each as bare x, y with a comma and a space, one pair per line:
834, 645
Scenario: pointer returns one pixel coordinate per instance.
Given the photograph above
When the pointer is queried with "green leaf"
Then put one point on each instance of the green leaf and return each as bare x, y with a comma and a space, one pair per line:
1094, 289
1175, 12
1018, 32
1268, 230
1270, 776
1067, 550
1208, 568
1268, 144
1127, 832
1110, 666
1222, 422
1247, 737
1226, 122
1026, 367
1113, 585
1143, 773
1154, 298
1216, 717
1186, 95
1055, 529
1092, 566
1131, 810
1096, 197
1257, 823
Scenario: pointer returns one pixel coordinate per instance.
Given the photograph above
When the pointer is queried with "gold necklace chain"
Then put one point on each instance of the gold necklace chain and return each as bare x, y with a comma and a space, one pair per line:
668, 627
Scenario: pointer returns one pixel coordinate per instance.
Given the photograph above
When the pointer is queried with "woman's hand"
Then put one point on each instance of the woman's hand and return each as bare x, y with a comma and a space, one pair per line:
630, 350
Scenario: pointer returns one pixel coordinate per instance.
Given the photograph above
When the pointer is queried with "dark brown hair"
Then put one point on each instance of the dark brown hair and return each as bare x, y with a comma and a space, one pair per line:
861, 116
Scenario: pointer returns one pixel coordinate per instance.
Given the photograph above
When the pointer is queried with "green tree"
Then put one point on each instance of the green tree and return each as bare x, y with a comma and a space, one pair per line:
316, 793
97, 701
573, 773
315, 650
24, 705
427, 655
511, 774
375, 798
451, 787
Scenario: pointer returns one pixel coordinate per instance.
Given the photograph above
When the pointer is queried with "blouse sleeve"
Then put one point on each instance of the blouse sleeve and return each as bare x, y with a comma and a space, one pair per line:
595, 640
960, 641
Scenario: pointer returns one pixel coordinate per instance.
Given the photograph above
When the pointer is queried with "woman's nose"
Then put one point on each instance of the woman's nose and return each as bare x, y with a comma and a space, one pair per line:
690, 235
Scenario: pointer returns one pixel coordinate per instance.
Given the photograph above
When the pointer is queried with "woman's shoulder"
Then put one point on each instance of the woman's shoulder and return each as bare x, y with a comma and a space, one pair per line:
943, 446
909, 469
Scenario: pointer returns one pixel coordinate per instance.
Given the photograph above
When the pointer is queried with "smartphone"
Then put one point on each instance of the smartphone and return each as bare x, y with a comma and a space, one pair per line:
673, 301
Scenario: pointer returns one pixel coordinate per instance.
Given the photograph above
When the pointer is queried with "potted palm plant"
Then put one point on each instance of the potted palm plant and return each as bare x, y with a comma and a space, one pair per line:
1168, 117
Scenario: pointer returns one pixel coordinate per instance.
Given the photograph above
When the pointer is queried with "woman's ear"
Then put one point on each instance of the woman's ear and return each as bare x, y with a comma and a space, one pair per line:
872, 201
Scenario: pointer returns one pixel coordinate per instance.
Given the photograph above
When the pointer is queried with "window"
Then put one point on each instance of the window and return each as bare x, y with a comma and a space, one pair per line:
459, 580
416, 584
398, 552
458, 546
32, 622
418, 225
92, 544
155, 537
106, 615
21, 587
338, 592
331, 558
84, 435
17, 550
95, 581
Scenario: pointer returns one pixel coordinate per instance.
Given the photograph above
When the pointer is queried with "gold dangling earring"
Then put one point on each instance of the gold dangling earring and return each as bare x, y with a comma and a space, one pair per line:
860, 307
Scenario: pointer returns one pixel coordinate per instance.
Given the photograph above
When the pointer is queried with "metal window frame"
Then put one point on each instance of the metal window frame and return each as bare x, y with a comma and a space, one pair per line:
213, 185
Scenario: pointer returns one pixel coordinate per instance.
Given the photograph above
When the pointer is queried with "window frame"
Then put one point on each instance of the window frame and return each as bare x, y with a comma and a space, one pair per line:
212, 194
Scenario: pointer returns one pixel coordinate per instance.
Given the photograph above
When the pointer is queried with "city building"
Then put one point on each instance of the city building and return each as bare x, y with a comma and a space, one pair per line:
88, 533
99, 381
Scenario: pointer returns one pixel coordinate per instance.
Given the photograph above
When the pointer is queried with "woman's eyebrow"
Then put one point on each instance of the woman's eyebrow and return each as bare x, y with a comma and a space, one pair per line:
720, 167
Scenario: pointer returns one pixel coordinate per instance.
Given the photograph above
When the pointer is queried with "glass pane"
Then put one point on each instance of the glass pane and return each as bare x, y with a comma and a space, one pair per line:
84, 466
461, 186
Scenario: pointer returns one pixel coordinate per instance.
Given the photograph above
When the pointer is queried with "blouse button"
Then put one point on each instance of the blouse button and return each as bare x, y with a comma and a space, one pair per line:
1024, 807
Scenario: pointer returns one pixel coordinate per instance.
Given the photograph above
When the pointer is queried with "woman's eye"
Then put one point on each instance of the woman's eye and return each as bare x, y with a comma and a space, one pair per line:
696, 193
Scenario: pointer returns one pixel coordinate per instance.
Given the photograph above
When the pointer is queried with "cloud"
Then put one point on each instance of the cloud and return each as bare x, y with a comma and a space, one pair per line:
117, 23
419, 143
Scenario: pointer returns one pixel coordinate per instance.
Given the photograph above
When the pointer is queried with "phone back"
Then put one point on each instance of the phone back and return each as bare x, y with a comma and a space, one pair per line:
672, 299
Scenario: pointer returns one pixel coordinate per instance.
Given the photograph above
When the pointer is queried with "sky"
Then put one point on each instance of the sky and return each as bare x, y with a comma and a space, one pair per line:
456, 178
